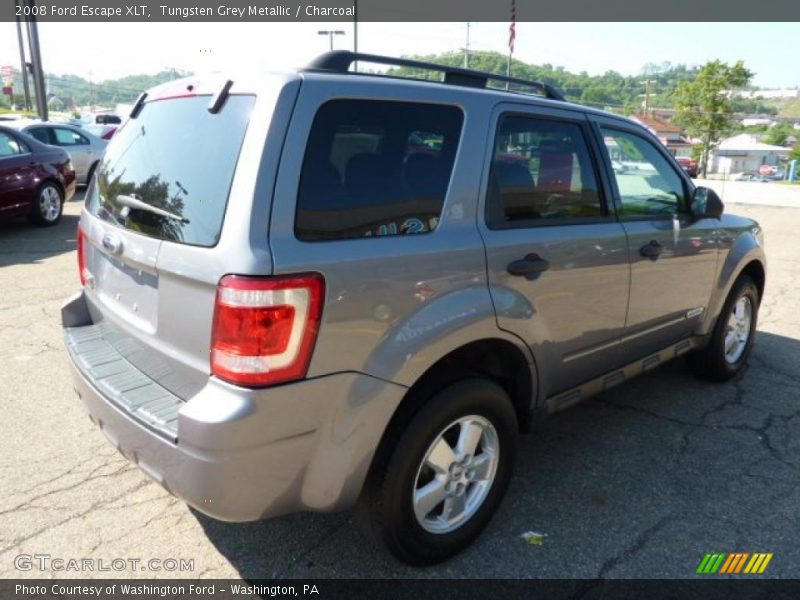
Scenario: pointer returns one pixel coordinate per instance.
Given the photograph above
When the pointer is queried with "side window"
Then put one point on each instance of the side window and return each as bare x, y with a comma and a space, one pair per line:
40, 133
647, 182
9, 146
67, 137
541, 169
376, 168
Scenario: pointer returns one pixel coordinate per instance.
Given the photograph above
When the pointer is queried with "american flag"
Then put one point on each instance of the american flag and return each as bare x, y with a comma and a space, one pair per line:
512, 28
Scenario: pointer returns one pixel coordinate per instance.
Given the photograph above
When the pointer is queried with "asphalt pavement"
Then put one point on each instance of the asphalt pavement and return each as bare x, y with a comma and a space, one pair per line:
641, 481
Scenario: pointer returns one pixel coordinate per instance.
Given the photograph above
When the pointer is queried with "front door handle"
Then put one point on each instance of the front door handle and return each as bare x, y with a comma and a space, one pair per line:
529, 267
651, 250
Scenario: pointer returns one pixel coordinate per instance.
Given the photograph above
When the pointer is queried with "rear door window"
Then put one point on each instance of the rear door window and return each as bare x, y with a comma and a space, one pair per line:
42, 134
542, 172
177, 159
376, 168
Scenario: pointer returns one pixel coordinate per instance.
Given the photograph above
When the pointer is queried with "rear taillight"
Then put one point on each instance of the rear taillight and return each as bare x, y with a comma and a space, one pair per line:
265, 328
81, 242
109, 134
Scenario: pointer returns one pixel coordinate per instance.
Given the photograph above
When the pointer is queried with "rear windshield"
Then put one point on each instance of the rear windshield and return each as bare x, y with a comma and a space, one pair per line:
167, 173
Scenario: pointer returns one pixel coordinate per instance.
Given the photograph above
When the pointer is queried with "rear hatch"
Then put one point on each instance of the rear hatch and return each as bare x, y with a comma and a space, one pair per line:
153, 221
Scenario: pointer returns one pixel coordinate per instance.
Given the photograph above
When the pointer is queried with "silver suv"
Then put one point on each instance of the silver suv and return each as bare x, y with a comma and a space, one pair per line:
327, 289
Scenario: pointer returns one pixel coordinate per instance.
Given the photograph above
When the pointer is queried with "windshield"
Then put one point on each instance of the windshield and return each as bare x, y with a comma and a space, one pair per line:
177, 158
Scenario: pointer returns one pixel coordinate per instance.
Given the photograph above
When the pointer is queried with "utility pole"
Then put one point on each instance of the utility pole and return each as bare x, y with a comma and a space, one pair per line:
36, 62
512, 38
466, 49
646, 96
23, 62
330, 33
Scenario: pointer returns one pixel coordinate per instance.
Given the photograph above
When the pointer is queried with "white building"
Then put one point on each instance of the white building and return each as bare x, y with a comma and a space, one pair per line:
766, 94
750, 121
742, 153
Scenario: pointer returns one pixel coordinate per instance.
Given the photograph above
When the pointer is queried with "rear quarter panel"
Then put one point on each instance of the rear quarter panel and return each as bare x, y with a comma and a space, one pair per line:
394, 304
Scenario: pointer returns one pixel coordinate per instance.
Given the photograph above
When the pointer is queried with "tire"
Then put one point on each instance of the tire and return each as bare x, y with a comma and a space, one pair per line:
479, 479
48, 206
732, 339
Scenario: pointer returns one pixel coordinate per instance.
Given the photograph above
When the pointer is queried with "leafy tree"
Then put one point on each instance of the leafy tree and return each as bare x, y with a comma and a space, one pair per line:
794, 154
105, 93
704, 106
777, 135
611, 89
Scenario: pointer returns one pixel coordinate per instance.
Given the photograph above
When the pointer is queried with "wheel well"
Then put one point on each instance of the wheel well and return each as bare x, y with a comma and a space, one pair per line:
499, 360
755, 270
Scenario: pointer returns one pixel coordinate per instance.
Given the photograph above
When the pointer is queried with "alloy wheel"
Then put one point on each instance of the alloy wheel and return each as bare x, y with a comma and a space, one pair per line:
49, 203
456, 474
737, 331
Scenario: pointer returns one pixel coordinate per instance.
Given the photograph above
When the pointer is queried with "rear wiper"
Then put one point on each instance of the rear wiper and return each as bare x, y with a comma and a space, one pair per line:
138, 204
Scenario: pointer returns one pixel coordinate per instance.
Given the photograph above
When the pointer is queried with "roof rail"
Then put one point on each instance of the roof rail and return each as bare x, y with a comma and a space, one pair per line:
339, 61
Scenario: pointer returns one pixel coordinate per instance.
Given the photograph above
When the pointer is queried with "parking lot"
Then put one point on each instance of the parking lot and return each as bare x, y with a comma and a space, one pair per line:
641, 481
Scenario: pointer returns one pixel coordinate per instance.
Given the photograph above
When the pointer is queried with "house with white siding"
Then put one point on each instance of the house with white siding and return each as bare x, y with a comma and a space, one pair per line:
743, 153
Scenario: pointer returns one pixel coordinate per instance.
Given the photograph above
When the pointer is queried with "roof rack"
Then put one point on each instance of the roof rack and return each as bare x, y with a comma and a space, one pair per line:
339, 61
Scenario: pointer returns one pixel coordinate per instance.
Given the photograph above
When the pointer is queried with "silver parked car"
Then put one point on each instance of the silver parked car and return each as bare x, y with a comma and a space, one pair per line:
320, 289
84, 148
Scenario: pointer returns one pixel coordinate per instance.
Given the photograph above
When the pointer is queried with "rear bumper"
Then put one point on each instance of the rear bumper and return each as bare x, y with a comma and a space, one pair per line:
242, 455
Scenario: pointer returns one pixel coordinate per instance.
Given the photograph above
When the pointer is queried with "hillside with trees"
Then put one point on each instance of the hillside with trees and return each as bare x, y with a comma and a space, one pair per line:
611, 90
81, 91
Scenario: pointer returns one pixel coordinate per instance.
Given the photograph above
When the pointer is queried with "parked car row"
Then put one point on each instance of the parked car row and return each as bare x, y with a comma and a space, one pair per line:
84, 148
41, 162
756, 177
35, 178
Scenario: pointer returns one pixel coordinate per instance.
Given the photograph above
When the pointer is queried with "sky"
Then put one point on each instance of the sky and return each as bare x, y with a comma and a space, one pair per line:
100, 51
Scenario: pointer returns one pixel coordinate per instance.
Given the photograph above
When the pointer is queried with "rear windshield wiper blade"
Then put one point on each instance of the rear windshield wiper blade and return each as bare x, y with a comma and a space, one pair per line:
138, 204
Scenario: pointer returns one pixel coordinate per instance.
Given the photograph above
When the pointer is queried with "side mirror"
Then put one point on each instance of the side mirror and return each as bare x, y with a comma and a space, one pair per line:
706, 204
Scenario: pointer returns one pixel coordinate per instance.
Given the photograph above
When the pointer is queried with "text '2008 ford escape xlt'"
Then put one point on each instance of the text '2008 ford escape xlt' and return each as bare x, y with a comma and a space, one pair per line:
329, 289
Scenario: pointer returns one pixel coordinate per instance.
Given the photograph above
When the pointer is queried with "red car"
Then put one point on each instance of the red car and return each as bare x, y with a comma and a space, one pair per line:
35, 179
689, 165
104, 132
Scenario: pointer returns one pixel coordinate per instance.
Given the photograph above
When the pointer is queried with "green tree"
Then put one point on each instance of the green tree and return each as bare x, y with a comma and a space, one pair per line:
794, 154
704, 106
777, 135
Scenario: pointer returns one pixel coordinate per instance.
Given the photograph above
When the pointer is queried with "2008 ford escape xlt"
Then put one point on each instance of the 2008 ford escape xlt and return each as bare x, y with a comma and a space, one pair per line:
327, 289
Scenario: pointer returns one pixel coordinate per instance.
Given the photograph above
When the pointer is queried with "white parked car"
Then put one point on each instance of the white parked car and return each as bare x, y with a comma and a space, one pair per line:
84, 148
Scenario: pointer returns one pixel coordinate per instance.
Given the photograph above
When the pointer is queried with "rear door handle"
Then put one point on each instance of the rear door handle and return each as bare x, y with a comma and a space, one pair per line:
651, 250
531, 265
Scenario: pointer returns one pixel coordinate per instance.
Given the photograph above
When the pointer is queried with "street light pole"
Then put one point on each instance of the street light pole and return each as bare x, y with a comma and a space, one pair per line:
36, 61
466, 49
330, 33
23, 62
355, 32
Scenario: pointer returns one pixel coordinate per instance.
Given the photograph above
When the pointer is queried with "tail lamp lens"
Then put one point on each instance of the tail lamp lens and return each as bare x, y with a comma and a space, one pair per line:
265, 328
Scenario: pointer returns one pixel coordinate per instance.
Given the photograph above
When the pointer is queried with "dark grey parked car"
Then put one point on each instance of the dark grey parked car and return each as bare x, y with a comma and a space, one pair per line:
326, 289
